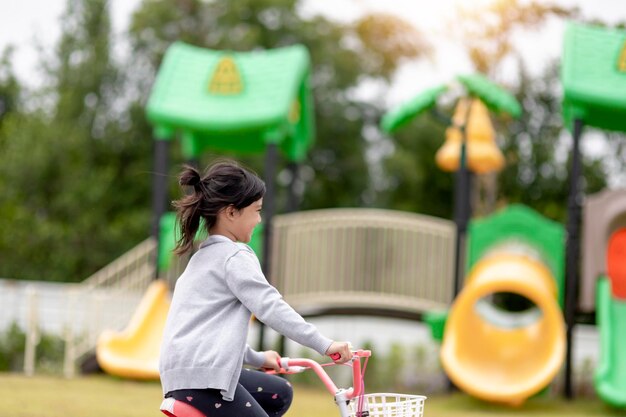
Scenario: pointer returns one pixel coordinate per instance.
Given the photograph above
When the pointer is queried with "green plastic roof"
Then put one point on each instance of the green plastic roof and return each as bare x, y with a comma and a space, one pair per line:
496, 98
236, 101
405, 112
593, 74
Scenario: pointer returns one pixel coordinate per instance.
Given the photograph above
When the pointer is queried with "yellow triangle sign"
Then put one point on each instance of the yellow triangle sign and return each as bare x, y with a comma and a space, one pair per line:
226, 79
621, 62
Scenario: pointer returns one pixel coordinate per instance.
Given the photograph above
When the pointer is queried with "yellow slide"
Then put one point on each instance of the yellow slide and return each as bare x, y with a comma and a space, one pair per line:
501, 356
134, 352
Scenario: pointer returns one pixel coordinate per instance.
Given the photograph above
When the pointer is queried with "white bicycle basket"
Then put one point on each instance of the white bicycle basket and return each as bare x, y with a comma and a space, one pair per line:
389, 405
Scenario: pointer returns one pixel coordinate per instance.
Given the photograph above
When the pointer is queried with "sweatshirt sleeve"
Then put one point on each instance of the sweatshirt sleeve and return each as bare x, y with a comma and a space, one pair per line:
252, 357
247, 282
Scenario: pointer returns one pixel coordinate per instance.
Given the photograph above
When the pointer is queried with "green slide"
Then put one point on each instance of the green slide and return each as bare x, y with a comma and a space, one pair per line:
610, 376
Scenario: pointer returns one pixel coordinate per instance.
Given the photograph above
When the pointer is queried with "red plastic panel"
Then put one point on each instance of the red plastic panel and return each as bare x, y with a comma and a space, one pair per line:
616, 263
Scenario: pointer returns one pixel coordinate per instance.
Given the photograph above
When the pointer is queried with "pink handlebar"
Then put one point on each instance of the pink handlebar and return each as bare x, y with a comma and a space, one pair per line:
355, 363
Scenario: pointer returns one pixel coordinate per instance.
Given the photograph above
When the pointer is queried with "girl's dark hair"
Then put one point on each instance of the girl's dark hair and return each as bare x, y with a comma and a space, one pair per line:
225, 183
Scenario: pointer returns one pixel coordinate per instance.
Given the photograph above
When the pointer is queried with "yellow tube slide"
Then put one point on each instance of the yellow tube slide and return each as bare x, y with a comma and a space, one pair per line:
501, 356
134, 352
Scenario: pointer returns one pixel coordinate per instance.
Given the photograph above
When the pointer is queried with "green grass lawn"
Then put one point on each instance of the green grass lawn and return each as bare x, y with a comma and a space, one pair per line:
100, 396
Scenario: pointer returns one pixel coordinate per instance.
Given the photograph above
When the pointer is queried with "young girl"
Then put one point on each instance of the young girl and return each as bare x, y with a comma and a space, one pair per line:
204, 341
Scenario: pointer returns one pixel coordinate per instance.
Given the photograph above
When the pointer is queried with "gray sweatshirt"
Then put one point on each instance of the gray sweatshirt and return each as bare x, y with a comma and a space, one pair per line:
204, 341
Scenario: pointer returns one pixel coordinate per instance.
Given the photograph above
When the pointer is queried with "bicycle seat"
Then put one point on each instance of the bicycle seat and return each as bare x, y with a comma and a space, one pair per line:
174, 408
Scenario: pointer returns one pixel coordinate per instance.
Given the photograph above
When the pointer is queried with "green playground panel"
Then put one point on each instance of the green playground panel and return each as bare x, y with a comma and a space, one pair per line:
610, 375
436, 321
495, 98
593, 74
477, 85
403, 114
272, 105
168, 236
520, 223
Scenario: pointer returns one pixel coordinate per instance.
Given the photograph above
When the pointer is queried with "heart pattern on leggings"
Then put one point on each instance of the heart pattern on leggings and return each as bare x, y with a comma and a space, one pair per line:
218, 405
189, 399
248, 404
259, 389
274, 396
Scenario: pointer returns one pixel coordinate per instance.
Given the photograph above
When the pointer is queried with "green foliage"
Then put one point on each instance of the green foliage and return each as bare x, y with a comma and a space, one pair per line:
12, 344
488, 32
9, 86
537, 157
76, 172
77, 153
415, 182
50, 354
49, 351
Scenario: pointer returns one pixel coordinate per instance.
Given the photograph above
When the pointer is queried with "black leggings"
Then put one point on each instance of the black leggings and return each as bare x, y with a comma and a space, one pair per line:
257, 395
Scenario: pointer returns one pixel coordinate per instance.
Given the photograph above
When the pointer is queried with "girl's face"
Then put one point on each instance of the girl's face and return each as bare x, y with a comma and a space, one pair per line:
246, 220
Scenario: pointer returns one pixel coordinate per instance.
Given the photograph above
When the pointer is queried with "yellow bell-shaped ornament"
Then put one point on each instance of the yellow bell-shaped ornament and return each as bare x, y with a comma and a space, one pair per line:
482, 153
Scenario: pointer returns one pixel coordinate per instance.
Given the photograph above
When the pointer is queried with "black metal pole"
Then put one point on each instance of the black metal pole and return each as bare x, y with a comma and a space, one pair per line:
572, 252
159, 189
462, 214
462, 206
292, 195
269, 204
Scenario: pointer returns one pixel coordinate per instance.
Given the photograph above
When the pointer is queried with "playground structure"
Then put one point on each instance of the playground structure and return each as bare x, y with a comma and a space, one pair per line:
220, 101
502, 354
593, 76
604, 274
492, 354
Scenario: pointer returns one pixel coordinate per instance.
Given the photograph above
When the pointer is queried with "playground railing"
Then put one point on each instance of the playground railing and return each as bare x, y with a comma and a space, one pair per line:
107, 300
367, 258
80, 312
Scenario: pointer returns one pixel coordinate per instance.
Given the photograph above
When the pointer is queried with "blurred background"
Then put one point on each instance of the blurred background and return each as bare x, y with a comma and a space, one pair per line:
76, 149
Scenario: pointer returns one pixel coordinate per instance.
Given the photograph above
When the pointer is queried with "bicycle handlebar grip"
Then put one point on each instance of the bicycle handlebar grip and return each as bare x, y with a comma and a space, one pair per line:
335, 356
284, 363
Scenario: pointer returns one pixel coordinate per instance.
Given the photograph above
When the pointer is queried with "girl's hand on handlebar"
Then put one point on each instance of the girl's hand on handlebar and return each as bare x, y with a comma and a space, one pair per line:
340, 352
272, 360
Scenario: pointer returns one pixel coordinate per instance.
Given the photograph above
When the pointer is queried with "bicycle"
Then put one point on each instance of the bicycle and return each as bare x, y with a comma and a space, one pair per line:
352, 402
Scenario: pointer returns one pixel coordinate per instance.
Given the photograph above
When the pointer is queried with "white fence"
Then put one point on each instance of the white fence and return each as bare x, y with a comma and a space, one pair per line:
79, 312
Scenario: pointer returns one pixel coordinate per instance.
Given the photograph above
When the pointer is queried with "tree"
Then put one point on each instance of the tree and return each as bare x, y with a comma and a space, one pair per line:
77, 178
76, 171
10, 88
538, 150
535, 146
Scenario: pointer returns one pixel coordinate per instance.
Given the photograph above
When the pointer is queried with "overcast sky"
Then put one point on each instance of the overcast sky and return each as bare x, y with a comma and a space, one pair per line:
25, 23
